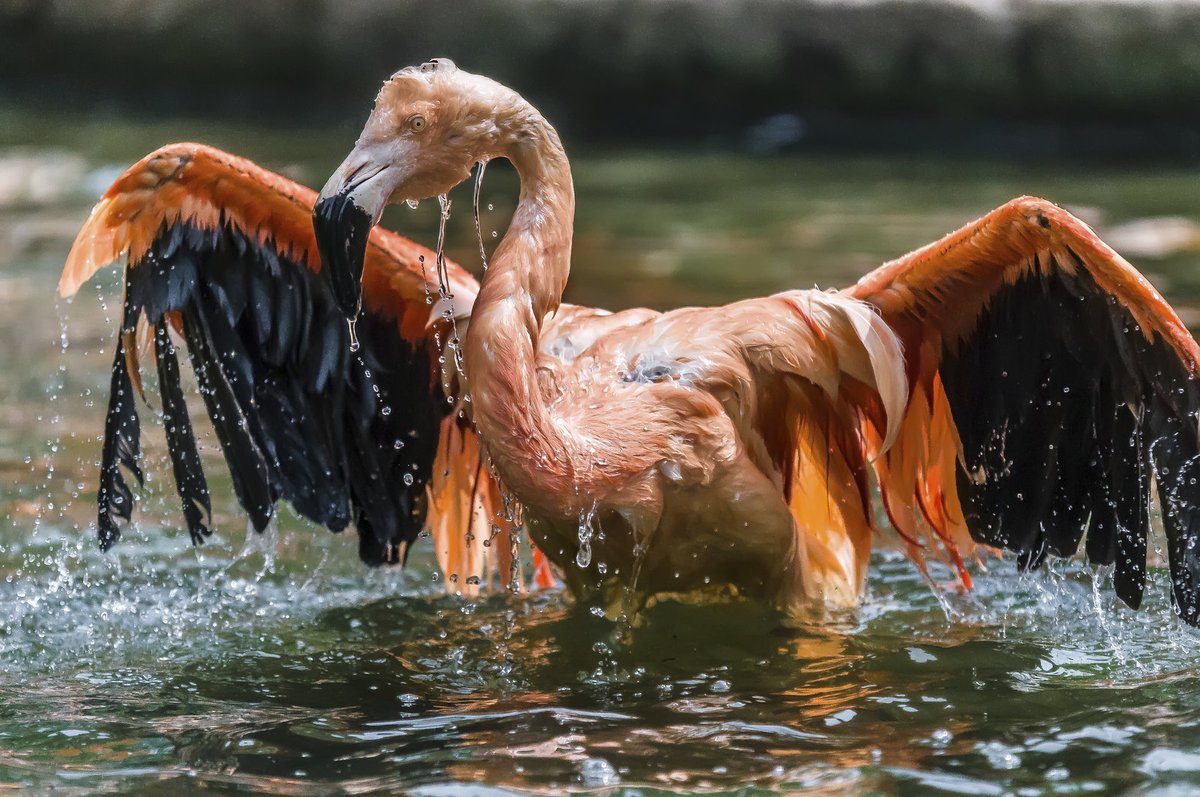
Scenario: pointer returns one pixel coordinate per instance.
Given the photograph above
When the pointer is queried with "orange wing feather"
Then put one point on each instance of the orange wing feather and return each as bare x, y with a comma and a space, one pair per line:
208, 188
937, 292
937, 298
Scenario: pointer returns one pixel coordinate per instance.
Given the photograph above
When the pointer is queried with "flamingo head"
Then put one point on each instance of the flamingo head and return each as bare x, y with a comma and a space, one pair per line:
431, 124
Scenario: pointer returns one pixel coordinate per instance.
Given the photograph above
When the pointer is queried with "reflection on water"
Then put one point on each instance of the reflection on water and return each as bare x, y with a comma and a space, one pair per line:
282, 665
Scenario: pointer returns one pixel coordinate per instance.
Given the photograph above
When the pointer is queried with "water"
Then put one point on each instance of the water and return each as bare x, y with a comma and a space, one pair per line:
286, 667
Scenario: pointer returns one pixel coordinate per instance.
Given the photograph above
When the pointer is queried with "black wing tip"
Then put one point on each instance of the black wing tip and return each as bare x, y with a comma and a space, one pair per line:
1131, 587
342, 230
190, 482
122, 444
107, 532
1074, 441
375, 553
115, 500
199, 520
261, 517
296, 416
1187, 607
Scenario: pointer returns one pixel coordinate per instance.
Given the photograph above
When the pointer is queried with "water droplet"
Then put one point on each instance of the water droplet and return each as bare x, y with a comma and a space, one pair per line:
413, 203
408, 479
583, 557
598, 772
478, 232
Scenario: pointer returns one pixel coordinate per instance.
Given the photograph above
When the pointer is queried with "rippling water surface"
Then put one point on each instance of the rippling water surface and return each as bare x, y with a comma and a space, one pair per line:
278, 663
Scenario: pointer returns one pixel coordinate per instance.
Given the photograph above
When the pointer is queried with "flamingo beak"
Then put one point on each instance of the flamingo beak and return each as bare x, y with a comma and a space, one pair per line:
347, 208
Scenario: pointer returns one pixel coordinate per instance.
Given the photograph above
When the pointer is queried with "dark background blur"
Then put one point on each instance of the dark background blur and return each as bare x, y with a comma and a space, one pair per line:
1025, 77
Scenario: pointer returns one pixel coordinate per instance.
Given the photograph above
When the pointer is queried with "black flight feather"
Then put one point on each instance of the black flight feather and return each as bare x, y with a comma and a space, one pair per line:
342, 438
181, 442
1065, 412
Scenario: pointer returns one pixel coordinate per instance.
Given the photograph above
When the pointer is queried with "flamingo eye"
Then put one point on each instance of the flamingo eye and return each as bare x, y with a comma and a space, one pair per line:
417, 124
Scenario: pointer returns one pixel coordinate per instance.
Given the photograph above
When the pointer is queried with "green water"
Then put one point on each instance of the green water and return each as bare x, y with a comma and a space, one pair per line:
284, 666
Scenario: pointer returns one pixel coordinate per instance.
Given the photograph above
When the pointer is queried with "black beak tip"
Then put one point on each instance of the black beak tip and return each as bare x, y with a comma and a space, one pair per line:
342, 229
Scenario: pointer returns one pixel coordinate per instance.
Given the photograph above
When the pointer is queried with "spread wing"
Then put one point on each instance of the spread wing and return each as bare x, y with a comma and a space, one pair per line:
1051, 385
221, 256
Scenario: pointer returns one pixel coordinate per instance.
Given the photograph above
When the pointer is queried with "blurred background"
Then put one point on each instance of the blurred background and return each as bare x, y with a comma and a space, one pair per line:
1010, 76
1023, 76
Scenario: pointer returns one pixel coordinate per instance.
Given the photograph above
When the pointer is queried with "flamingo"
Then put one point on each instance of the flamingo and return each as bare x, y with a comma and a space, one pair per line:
1016, 385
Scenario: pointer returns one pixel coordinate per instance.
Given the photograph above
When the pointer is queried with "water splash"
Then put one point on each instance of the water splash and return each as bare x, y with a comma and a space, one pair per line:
512, 515
630, 602
478, 228
443, 277
264, 543
425, 279
583, 558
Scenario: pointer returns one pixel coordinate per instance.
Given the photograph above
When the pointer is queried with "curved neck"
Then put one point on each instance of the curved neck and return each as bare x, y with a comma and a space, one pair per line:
523, 284
536, 251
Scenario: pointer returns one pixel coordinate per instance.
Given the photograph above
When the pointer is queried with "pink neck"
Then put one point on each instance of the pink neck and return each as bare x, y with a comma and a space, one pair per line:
524, 283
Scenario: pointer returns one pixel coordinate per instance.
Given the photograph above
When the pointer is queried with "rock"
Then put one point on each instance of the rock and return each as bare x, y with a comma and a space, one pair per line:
1157, 237
39, 177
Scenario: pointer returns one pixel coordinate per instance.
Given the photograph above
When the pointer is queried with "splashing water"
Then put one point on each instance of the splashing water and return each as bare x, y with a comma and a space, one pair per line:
425, 279
443, 277
264, 544
454, 344
583, 558
483, 258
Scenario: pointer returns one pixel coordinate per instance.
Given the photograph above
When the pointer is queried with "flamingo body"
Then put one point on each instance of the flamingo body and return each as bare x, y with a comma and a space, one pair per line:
691, 407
